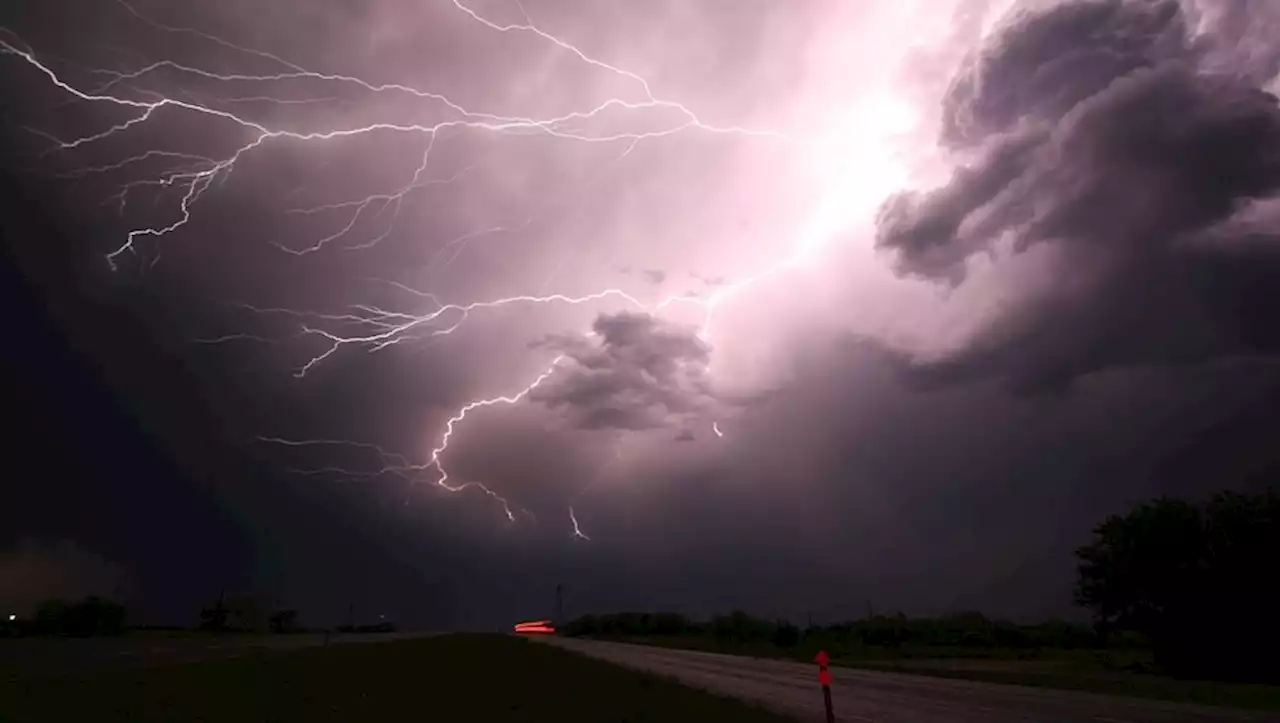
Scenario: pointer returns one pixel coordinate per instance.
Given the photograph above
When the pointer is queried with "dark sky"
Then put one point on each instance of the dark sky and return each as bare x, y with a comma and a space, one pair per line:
821, 303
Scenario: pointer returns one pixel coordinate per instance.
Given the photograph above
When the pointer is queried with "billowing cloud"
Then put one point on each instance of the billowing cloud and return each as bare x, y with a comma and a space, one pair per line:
1135, 181
1102, 199
1239, 37
1044, 64
925, 228
634, 372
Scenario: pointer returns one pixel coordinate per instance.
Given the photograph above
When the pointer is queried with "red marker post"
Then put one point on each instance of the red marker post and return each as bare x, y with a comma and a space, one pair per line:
824, 677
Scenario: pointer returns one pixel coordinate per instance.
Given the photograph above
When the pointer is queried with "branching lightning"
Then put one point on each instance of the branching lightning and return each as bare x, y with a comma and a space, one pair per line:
370, 327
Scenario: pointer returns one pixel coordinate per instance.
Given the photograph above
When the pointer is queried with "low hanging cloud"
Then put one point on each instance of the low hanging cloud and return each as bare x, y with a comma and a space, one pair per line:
1148, 184
633, 372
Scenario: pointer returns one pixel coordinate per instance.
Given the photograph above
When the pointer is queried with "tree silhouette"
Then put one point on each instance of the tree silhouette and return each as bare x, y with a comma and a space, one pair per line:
1198, 579
90, 616
215, 618
283, 621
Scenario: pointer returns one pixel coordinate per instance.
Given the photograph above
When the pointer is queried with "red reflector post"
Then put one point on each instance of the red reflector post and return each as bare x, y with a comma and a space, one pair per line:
824, 677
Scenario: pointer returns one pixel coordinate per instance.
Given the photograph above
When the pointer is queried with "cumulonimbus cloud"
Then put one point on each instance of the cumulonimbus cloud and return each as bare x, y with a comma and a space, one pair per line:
1136, 178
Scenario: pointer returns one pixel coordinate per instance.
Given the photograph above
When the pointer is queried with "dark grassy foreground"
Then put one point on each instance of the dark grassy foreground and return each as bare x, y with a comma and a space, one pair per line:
452, 678
1154, 687
1062, 670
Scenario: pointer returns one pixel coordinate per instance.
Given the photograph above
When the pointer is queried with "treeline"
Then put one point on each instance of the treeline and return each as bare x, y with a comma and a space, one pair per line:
248, 614
1197, 584
970, 630
96, 616
89, 617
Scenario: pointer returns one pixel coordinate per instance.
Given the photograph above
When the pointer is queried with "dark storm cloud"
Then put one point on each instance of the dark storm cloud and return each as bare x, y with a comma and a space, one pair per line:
1240, 37
1131, 181
655, 276
597, 206
843, 485
925, 227
1044, 64
635, 372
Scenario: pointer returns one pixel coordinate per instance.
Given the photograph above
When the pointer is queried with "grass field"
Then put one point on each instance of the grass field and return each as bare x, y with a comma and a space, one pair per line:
1089, 671
458, 677
1139, 685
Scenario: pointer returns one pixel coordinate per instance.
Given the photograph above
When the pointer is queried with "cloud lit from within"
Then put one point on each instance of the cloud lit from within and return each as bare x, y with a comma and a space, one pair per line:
843, 146
574, 174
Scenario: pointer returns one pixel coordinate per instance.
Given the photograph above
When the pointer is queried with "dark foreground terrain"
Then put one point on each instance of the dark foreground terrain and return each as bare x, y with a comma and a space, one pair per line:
1093, 671
42, 656
448, 678
890, 697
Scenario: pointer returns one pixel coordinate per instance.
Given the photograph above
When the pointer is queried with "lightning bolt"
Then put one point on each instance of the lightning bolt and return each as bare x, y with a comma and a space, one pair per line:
609, 464
370, 327
577, 529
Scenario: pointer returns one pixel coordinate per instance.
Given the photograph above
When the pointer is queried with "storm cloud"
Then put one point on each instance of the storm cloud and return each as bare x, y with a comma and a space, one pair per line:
884, 238
1134, 183
634, 372
1043, 64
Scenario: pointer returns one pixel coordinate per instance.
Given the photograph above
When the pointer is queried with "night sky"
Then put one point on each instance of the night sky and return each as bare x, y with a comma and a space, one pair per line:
422, 308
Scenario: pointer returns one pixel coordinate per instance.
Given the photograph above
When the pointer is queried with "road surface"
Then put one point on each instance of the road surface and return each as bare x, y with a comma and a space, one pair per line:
863, 696
40, 656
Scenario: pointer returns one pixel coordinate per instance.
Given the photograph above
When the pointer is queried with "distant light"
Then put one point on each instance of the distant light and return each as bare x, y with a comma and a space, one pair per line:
536, 629
537, 626
12, 617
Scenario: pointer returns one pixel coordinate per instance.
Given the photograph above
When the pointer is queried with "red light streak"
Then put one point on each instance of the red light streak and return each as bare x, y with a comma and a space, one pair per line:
537, 626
